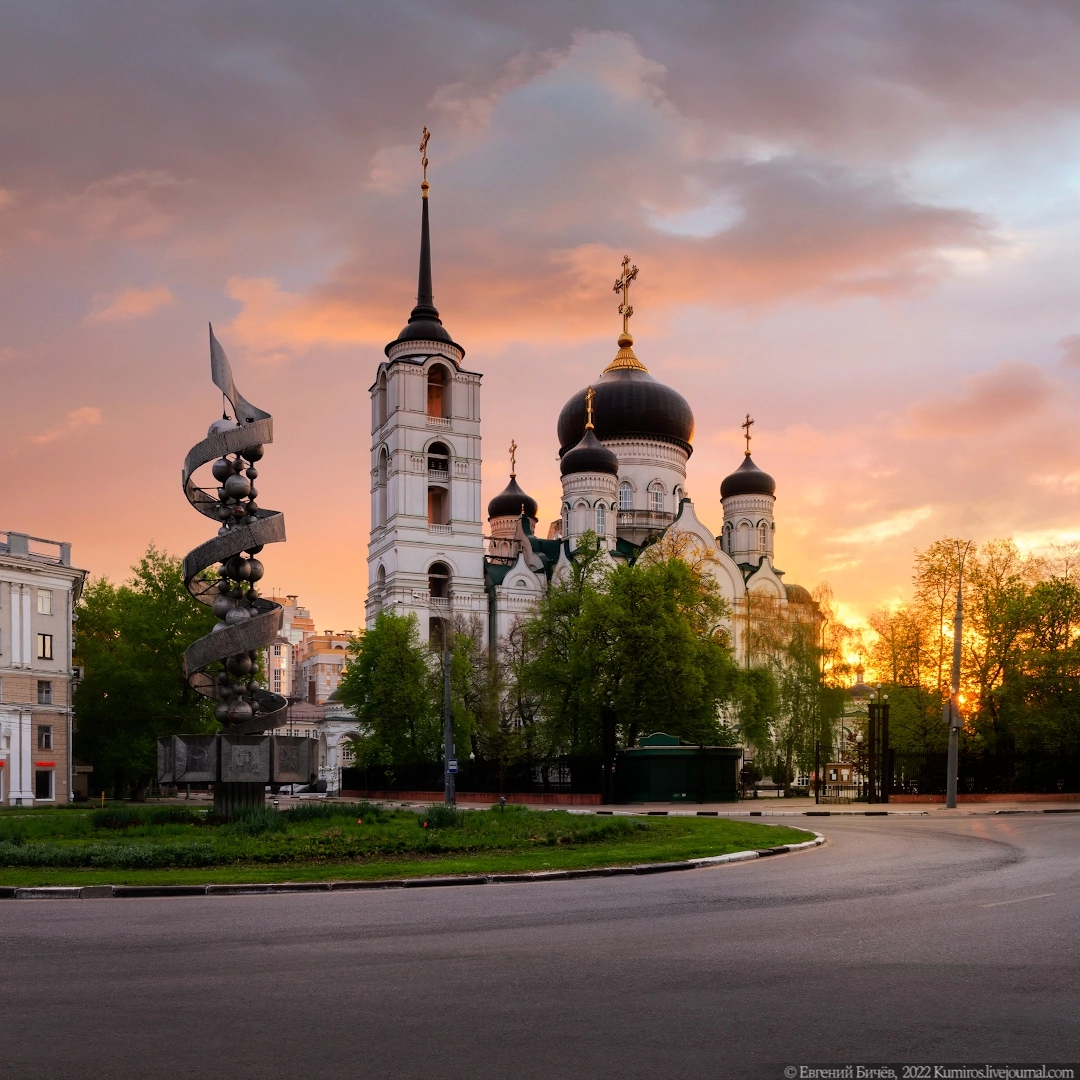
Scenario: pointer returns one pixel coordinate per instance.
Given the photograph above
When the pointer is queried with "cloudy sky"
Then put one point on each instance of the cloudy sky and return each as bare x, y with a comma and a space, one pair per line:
857, 221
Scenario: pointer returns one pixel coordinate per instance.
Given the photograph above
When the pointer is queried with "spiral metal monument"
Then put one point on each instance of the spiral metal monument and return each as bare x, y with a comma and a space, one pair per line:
224, 573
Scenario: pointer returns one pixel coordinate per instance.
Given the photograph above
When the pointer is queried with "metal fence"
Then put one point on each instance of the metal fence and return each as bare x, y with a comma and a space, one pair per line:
988, 774
565, 775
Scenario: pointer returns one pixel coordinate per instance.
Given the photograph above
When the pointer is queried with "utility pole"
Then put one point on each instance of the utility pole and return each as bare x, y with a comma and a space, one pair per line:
951, 708
449, 794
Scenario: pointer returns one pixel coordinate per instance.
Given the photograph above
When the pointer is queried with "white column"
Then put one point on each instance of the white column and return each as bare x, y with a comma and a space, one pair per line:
16, 628
21, 761
28, 653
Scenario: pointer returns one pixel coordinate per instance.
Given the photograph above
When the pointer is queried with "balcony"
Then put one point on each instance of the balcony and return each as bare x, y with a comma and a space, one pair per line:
638, 525
438, 476
440, 530
441, 603
438, 421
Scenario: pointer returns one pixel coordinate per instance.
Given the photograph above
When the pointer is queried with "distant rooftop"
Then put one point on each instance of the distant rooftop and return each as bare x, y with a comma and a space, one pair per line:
24, 546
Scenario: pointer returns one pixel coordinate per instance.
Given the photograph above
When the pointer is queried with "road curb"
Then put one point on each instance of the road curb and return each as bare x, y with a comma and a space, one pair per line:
101, 892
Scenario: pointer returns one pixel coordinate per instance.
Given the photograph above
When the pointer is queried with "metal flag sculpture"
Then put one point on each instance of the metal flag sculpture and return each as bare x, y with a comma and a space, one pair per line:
248, 622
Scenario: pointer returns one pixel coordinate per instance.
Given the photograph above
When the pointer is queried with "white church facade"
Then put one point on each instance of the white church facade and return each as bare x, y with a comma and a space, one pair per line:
625, 443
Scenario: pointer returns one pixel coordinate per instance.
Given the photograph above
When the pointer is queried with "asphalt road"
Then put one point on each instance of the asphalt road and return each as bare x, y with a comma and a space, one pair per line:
904, 940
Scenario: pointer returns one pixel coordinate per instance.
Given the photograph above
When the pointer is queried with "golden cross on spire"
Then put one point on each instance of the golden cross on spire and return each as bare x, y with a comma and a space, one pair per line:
590, 396
746, 427
423, 159
622, 285
513, 459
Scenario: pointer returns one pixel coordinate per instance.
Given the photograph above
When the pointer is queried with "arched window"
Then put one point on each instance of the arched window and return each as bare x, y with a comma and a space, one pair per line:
656, 498
582, 518
380, 401
438, 577
438, 460
566, 521
380, 491
678, 496
626, 496
763, 537
601, 521
438, 391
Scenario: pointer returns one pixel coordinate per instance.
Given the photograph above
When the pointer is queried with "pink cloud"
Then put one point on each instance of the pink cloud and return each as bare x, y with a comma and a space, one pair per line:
132, 303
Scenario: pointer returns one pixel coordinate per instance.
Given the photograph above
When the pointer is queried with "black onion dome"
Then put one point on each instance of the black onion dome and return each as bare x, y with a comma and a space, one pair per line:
512, 501
629, 403
590, 455
748, 479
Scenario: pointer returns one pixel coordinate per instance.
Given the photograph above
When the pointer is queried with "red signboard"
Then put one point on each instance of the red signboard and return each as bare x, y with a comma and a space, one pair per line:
45, 764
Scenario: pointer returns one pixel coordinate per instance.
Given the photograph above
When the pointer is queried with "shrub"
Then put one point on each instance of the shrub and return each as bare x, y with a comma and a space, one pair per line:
321, 811
256, 822
441, 816
12, 834
126, 817
109, 856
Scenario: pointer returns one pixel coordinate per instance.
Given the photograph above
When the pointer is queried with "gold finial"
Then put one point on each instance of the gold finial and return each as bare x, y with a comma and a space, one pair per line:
625, 357
590, 396
424, 186
746, 427
513, 459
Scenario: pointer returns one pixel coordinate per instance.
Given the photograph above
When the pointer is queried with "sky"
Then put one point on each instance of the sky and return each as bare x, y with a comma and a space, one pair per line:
857, 221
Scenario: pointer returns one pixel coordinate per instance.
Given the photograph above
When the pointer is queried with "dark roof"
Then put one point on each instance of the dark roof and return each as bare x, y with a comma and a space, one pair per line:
512, 501
629, 402
748, 479
590, 455
796, 594
424, 323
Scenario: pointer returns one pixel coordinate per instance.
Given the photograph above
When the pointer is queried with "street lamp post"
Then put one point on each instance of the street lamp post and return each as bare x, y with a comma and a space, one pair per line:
951, 708
449, 760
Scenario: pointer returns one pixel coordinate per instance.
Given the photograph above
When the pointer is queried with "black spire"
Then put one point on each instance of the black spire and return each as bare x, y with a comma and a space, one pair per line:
424, 323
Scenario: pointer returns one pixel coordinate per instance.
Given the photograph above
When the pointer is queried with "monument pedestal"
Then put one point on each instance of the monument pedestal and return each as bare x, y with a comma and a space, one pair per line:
231, 799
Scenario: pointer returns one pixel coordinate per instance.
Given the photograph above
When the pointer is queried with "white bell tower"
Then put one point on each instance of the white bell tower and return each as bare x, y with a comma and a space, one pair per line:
426, 552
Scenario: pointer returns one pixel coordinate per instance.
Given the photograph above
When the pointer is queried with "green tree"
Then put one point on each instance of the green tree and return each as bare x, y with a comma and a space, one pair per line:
393, 690
131, 640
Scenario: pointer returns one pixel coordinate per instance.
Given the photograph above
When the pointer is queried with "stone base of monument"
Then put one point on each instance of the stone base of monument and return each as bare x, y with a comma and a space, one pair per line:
232, 800
239, 766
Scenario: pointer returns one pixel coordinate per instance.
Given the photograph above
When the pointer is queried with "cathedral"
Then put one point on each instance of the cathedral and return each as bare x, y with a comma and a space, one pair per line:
624, 445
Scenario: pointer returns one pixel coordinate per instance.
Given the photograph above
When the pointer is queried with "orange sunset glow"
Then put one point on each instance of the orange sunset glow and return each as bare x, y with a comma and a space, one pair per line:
862, 231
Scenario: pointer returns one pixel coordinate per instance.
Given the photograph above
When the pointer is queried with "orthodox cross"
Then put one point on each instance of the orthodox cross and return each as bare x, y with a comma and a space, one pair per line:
622, 285
590, 395
746, 428
423, 159
513, 459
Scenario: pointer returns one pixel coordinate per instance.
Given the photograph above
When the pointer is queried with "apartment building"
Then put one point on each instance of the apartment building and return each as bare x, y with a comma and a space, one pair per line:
297, 626
322, 662
38, 591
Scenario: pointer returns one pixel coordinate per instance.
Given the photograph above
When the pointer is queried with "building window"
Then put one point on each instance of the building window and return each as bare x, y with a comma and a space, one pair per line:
43, 784
626, 496
44, 692
763, 537
44, 601
601, 521
438, 392
566, 521
656, 499
44, 646
44, 736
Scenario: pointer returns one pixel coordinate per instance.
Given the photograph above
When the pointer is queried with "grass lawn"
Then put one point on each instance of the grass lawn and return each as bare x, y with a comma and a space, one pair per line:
176, 845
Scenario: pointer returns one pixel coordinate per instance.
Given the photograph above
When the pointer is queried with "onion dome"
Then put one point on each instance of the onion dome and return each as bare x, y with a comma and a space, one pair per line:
630, 403
512, 501
589, 456
424, 323
747, 479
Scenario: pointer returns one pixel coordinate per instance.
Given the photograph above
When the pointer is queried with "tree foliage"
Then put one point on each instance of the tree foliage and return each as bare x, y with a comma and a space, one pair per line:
1020, 660
130, 640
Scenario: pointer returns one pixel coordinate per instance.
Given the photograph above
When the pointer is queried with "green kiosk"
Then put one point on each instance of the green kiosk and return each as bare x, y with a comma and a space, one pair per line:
662, 768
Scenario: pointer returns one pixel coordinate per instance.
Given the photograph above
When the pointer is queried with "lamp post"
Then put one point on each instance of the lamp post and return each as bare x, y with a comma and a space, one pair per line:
449, 760
951, 708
